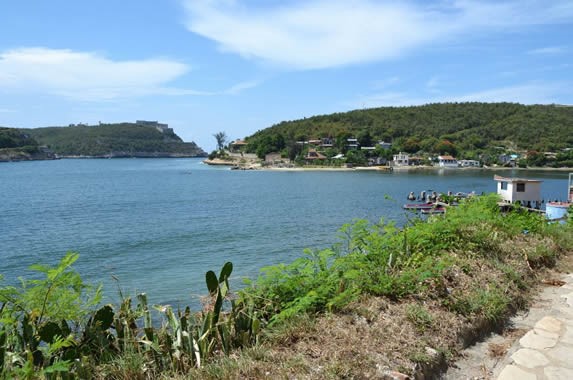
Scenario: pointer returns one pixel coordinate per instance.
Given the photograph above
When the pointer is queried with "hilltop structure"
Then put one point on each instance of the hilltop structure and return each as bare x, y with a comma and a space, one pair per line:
163, 128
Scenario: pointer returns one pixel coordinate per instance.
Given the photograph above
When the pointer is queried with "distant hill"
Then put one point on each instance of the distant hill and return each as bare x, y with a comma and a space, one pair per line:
114, 140
467, 129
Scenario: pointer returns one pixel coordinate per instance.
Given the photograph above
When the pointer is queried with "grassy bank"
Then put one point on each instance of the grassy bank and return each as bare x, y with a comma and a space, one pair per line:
381, 299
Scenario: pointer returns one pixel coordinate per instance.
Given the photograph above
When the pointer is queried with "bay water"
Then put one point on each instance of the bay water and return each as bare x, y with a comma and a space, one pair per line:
157, 225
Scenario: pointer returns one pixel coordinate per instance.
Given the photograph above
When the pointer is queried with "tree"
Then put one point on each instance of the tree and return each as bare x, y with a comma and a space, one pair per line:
364, 138
221, 138
446, 147
411, 145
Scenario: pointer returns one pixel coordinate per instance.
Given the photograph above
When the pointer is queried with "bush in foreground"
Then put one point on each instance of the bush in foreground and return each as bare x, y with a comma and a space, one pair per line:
381, 298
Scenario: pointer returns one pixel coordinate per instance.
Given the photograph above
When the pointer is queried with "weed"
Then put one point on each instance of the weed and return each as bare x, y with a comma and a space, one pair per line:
474, 263
419, 316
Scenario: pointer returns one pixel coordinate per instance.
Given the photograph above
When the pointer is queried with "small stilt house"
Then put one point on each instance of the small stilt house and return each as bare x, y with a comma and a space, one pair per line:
526, 191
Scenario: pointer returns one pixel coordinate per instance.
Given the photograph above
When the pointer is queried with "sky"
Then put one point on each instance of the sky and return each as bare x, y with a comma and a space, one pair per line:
238, 66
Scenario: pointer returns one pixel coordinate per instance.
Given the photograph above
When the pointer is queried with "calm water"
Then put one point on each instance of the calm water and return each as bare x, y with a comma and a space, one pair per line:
158, 225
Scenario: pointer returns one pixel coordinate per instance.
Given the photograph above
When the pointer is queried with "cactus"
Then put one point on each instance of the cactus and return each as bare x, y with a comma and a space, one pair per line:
39, 341
147, 324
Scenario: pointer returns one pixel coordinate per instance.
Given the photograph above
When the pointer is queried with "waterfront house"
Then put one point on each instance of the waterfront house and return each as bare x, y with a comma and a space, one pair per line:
447, 162
352, 143
526, 191
385, 145
313, 155
327, 142
237, 145
508, 159
416, 161
469, 163
401, 159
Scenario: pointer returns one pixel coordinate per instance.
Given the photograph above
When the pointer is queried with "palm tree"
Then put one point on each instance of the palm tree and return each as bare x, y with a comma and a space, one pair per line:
221, 138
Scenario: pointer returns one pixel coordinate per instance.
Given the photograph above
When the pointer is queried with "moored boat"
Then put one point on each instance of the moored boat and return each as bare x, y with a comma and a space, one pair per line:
418, 206
434, 210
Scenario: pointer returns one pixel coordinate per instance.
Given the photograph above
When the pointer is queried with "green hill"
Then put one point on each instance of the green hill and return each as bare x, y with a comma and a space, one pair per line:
468, 130
11, 138
114, 140
17, 145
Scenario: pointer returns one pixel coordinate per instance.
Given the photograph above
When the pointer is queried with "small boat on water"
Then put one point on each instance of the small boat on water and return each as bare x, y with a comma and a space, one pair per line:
429, 207
419, 206
435, 210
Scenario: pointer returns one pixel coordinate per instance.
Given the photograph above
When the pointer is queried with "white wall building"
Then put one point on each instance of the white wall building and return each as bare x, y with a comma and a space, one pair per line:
526, 191
469, 163
447, 162
401, 159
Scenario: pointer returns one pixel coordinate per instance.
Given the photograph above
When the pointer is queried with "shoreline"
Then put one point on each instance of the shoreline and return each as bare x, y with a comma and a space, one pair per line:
257, 166
383, 169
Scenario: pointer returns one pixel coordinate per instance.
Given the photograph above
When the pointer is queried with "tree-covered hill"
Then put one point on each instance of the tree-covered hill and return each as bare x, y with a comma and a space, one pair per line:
114, 140
15, 138
470, 129
17, 145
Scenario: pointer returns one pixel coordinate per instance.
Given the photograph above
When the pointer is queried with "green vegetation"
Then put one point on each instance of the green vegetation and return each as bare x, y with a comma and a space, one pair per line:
50, 328
117, 140
380, 296
15, 144
14, 138
481, 131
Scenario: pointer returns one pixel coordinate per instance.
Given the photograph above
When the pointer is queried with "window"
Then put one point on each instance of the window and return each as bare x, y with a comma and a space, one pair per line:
520, 187
503, 185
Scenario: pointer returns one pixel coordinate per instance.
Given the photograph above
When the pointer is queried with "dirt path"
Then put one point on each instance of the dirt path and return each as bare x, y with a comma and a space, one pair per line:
497, 357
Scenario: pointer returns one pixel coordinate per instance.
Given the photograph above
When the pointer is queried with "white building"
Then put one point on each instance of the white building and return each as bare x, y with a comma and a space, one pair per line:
447, 162
385, 145
526, 191
469, 163
352, 143
401, 159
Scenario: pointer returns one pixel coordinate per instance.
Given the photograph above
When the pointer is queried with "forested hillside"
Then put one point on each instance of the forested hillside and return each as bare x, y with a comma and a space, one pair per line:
114, 140
16, 145
15, 138
465, 129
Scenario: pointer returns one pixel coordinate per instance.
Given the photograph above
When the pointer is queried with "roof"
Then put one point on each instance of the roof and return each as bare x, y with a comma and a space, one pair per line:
314, 155
445, 158
239, 142
506, 179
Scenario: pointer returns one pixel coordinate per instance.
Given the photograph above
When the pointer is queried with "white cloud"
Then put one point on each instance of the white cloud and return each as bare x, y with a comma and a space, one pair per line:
329, 33
388, 99
433, 84
550, 50
314, 34
84, 76
240, 87
528, 93
386, 83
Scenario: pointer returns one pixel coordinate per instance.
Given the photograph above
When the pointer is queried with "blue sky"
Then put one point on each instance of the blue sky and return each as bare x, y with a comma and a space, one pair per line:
238, 66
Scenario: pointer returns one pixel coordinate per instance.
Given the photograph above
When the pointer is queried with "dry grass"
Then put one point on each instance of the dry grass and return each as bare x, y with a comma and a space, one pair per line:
373, 335
496, 350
